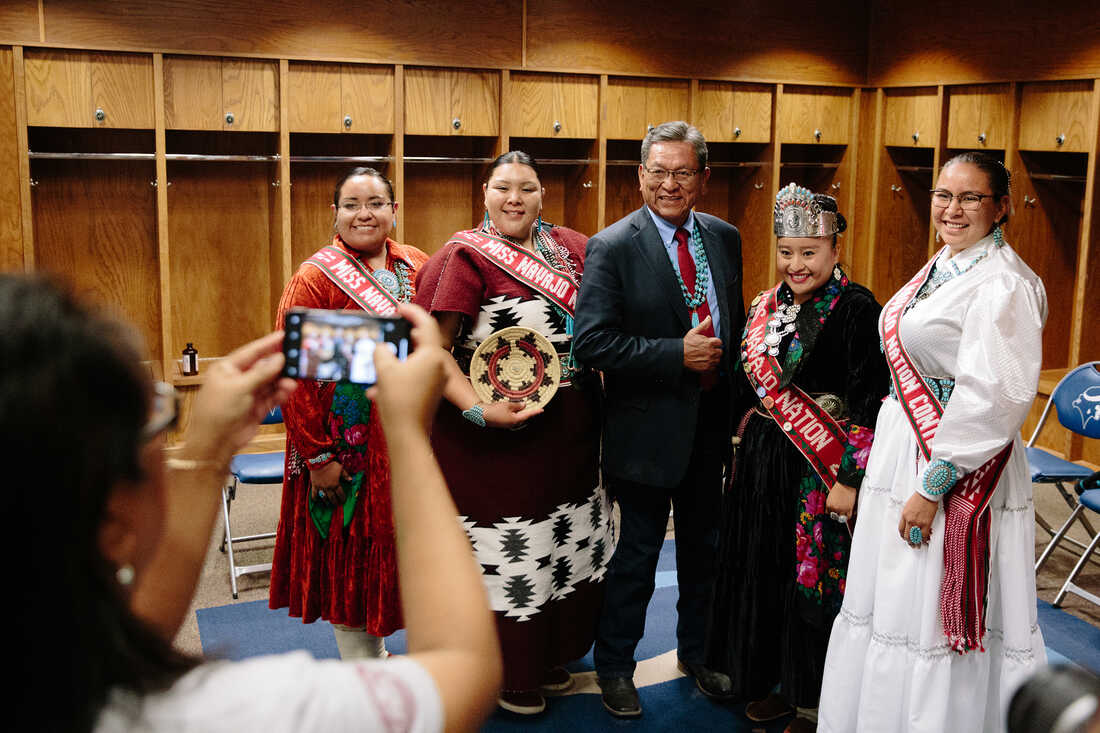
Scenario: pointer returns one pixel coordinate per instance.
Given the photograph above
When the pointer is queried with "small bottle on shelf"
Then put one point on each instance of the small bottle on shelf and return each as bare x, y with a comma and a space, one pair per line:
189, 364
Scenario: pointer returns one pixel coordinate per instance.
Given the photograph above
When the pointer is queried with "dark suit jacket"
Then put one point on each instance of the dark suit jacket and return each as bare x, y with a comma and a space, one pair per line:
630, 324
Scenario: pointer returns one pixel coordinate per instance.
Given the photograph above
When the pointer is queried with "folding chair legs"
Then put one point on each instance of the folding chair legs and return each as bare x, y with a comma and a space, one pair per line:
1069, 587
228, 494
1071, 502
227, 542
1058, 536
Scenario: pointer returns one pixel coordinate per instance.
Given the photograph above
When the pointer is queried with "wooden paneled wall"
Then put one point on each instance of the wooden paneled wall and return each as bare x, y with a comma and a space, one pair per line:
865, 102
742, 39
951, 42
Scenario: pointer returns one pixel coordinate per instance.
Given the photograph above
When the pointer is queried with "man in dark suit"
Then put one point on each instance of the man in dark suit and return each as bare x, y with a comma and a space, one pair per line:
659, 313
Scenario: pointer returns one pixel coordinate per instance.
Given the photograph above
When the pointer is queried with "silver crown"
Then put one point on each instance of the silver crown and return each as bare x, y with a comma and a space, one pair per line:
798, 214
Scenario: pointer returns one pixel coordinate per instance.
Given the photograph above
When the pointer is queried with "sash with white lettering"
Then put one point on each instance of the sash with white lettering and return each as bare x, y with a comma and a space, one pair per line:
353, 278
523, 265
966, 508
813, 431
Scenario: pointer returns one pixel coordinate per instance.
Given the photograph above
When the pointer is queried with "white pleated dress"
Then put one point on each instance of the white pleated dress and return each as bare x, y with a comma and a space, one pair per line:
889, 666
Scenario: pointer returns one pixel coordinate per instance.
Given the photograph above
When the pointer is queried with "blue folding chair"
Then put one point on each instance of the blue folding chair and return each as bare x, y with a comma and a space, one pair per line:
1089, 499
250, 468
1076, 400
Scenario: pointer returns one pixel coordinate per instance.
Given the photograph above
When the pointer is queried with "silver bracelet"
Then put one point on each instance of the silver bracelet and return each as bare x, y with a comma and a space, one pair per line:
476, 415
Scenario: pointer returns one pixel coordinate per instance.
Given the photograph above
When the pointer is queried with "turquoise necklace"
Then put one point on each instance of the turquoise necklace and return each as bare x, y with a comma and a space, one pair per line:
702, 277
942, 274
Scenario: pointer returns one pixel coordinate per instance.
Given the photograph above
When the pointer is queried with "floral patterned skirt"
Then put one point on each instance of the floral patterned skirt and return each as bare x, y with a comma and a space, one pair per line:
781, 571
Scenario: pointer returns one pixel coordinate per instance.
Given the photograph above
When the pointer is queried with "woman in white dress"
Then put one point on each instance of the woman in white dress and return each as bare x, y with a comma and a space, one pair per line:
938, 624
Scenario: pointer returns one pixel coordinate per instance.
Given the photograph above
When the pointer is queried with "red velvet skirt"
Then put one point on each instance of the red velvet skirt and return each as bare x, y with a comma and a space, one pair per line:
350, 577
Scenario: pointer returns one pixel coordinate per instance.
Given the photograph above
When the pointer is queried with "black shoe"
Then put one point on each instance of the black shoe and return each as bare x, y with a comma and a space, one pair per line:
713, 684
620, 697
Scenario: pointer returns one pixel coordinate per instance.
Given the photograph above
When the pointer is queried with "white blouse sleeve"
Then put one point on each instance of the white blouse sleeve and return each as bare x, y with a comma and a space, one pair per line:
999, 358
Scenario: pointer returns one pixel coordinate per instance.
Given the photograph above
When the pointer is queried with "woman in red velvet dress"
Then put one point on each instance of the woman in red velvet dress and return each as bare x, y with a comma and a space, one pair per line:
334, 549
529, 496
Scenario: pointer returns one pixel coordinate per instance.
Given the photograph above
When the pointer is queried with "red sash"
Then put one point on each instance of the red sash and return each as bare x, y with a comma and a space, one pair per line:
815, 433
966, 508
350, 275
526, 266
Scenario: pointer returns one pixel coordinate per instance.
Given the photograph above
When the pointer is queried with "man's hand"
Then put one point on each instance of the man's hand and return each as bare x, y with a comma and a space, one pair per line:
701, 353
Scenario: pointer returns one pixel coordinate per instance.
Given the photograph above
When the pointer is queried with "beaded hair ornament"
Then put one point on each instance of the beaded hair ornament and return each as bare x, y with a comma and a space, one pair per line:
798, 214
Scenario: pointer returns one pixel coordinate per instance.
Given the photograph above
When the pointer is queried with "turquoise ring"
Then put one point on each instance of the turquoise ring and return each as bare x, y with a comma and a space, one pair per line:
916, 537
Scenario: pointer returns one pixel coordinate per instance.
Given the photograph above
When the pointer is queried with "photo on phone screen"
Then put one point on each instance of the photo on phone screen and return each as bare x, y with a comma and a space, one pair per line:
338, 346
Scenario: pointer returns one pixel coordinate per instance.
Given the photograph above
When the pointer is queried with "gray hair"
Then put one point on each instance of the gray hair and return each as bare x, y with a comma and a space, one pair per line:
676, 132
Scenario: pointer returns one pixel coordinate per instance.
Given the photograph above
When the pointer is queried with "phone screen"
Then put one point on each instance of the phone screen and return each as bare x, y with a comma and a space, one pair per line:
338, 346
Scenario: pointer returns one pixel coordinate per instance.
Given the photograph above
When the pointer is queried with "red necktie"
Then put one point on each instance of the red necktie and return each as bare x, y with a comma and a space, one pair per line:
687, 273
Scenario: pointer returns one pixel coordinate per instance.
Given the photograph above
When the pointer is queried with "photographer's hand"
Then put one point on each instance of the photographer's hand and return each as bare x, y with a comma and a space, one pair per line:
237, 392
451, 631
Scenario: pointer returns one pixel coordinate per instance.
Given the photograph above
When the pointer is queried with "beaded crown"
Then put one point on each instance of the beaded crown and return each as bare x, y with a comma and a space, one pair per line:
798, 214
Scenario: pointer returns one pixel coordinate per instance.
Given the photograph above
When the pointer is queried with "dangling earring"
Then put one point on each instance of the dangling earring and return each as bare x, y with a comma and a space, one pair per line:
125, 575
938, 240
998, 236
836, 272
485, 223
538, 223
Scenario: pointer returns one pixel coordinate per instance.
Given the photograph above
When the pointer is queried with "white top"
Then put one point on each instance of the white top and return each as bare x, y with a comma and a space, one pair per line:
286, 692
984, 329
889, 667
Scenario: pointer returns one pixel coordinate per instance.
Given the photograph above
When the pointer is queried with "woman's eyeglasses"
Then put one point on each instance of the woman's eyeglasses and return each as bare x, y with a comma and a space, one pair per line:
968, 200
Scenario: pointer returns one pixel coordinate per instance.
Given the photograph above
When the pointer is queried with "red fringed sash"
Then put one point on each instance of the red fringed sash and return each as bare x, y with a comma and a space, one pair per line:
966, 508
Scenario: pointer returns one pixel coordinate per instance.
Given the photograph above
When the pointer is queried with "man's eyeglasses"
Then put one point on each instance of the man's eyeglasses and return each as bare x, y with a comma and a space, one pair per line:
968, 200
165, 410
352, 207
681, 176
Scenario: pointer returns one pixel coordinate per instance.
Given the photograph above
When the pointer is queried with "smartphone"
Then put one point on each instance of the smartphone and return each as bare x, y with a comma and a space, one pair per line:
338, 346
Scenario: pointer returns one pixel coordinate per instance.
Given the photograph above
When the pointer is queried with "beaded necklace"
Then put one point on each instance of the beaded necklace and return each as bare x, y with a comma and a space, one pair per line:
943, 274
785, 320
702, 277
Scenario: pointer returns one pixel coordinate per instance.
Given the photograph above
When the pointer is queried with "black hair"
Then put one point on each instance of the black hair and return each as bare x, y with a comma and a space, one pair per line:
1000, 180
513, 156
73, 402
828, 203
360, 171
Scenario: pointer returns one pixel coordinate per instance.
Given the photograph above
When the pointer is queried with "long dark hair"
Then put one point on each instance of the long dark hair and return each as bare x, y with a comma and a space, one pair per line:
73, 401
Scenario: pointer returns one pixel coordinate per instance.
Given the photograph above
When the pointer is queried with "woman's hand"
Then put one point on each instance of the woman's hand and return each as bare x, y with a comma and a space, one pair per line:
324, 483
841, 501
917, 512
408, 393
508, 414
238, 391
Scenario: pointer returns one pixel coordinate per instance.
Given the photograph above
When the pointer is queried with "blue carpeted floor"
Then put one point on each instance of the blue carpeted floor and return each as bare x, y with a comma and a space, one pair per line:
250, 629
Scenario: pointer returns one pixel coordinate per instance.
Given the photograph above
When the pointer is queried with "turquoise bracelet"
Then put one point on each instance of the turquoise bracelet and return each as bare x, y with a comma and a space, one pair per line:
476, 415
939, 477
